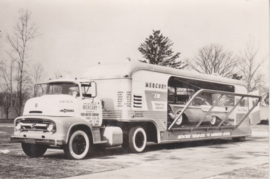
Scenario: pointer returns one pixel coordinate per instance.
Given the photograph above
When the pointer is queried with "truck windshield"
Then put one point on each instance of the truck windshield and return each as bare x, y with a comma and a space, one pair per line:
57, 88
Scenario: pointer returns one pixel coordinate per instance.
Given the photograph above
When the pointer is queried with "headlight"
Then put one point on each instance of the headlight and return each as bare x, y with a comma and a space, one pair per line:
18, 126
51, 127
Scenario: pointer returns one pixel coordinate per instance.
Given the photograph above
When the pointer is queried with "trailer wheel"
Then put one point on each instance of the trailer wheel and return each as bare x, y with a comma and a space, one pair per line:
239, 139
34, 150
137, 139
213, 120
78, 145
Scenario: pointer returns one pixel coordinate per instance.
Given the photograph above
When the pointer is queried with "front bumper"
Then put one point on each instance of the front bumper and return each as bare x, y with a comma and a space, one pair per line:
38, 141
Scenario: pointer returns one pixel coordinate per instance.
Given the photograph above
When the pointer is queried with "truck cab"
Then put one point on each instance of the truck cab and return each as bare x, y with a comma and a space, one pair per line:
65, 113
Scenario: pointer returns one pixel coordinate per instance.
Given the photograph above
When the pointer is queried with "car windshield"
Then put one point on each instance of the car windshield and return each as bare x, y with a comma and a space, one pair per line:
57, 88
199, 101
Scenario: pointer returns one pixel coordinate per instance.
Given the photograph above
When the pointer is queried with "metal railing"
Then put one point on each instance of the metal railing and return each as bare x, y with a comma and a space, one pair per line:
212, 107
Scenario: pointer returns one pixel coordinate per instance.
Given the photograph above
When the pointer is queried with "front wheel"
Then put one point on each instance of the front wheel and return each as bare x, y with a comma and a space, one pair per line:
34, 150
78, 145
137, 139
179, 121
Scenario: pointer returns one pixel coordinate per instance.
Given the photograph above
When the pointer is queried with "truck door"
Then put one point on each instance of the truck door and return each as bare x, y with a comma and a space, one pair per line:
90, 106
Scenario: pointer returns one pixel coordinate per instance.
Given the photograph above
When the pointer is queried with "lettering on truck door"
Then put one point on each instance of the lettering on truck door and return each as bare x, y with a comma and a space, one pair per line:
91, 110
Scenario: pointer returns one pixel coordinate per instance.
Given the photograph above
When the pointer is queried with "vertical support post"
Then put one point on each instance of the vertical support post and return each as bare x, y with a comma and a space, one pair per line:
229, 113
209, 111
248, 113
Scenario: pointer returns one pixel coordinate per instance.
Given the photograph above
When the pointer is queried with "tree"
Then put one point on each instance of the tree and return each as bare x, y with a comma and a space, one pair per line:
6, 103
62, 73
249, 67
38, 73
57, 74
24, 32
266, 100
212, 59
157, 49
236, 76
7, 97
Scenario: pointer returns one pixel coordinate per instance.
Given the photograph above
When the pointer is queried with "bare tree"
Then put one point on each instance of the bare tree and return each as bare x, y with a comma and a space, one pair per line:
24, 32
6, 103
38, 73
7, 75
57, 74
250, 66
7, 97
212, 59
62, 73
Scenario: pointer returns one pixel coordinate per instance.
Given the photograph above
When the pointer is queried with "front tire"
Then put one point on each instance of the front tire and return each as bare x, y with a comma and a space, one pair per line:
137, 139
179, 121
78, 145
34, 150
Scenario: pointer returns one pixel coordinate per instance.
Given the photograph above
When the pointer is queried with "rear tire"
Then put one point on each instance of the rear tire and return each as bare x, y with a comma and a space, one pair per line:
137, 139
34, 150
78, 145
213, 120
239, 139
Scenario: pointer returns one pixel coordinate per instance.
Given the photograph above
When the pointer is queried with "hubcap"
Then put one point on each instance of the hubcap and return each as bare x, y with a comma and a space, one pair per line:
139, 139
213, 120
78, 144
179, 121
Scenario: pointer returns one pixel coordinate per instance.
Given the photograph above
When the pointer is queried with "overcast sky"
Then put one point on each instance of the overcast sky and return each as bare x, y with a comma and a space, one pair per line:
78, 33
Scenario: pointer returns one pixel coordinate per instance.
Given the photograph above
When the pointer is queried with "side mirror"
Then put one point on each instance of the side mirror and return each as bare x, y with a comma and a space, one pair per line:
93, 89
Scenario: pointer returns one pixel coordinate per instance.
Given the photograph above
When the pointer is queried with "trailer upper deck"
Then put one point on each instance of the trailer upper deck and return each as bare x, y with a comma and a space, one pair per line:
127, 69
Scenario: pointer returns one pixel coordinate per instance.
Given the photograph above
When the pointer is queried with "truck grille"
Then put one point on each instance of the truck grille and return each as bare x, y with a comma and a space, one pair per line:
137, 101
30, 124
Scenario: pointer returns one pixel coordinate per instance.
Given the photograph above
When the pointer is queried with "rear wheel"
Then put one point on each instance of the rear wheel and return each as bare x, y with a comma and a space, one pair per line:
213, 120
78, 145
34, 150
239, 139
137, 139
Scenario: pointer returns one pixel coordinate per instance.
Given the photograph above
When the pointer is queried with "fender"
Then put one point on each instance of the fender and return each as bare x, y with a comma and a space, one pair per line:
141, 121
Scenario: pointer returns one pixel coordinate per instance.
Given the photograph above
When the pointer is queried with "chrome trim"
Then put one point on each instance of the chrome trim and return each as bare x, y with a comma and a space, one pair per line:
37, 141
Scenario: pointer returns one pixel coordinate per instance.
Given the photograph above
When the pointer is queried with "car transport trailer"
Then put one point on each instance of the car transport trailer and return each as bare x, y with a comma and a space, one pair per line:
129, 104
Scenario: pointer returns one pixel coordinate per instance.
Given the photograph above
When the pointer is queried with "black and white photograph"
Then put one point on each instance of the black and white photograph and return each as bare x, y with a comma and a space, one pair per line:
128, 89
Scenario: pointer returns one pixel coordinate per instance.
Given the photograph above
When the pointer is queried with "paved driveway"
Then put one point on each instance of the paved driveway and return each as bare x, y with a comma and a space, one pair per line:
206, 159
193, 160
